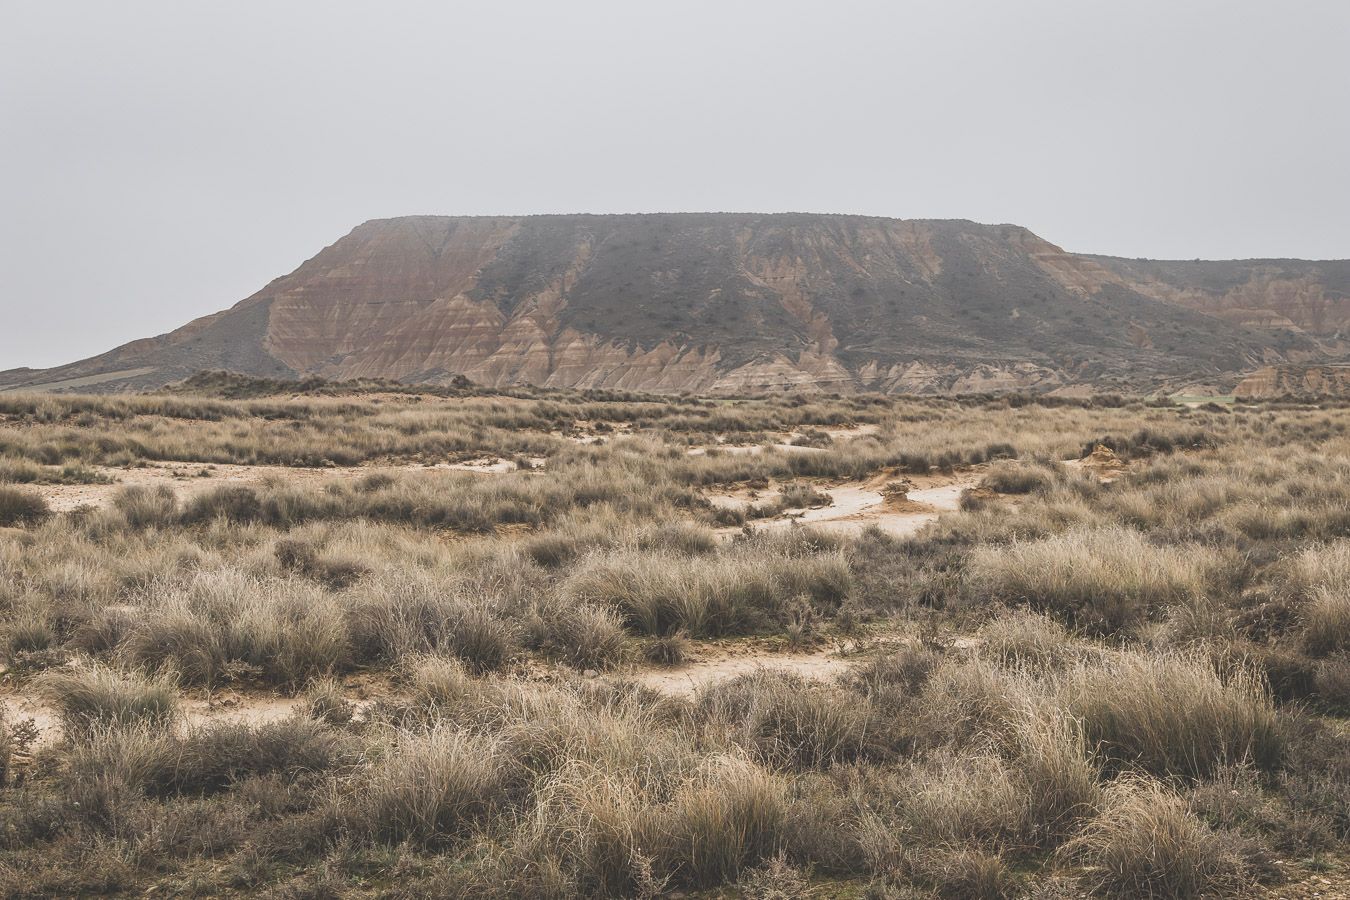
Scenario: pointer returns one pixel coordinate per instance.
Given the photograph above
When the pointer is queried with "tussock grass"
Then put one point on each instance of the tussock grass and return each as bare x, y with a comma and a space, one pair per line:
98, 697
1024, 638
1173, 714
1326, 622
1146, 843
432, 788
144, 507
730, 816
790, 723
583, 634
20, 506
224, 624
405, 614
1008, 477
660, 593
1103, 579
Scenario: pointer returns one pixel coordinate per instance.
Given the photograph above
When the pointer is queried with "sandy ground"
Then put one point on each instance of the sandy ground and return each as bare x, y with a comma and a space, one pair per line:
752, 449
253, 709
711, 663
783, 442
189, 479
227, 706
857, 505
714, 666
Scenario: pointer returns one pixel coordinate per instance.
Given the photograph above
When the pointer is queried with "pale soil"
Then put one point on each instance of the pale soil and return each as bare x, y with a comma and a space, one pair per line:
783, 441
713, 665
752, 449
190, 479
857, 505
742, 498
252, 709
86, 381
196, 708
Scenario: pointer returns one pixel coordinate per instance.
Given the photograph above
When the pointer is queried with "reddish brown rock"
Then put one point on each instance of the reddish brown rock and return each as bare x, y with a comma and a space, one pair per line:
731, 303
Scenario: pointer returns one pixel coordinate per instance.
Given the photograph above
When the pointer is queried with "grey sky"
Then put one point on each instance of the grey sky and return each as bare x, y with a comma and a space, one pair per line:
162, 160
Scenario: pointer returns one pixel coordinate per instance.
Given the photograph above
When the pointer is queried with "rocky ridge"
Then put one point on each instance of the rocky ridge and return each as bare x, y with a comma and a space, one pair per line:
743, 303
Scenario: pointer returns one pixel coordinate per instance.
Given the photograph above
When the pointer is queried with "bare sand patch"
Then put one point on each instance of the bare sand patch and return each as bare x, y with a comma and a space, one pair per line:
783, 441
190, 479
857, 505
716, 666
852, 431
197, 709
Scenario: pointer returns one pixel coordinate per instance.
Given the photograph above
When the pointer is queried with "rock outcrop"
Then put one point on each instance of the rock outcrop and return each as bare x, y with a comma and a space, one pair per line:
732, 303
1303, 382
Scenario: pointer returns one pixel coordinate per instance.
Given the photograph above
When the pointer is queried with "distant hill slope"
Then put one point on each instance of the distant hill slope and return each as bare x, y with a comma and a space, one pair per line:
733, 303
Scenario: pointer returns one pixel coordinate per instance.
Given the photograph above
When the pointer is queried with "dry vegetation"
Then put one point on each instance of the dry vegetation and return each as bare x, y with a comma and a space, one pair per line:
1129, 686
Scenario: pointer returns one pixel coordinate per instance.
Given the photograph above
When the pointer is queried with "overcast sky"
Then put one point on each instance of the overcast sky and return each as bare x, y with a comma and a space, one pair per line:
162, 160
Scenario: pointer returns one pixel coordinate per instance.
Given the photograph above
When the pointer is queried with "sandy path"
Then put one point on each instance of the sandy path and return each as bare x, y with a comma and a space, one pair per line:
854, 507
223, 708
753, 449
187, 479
784, 441
851, 431
687, 679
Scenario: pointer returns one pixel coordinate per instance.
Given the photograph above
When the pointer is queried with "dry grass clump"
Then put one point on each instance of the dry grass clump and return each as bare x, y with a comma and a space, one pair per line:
325, 701
1147, 843
1173, 714
1102, 579
432, 788
145, 507
776, 879
401, 614
23, 471
667, 649
729, 816
225, 624
1031, 787
737, 593
583, 634
1326, 622
1025, 638
1319, 577
1060, 772
968, 874
1007, 477
954, 801
99, 697
20, 471
19, 506
304, 558
789, 722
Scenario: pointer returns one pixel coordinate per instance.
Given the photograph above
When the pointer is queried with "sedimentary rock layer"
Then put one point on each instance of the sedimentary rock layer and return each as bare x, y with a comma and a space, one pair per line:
732, 303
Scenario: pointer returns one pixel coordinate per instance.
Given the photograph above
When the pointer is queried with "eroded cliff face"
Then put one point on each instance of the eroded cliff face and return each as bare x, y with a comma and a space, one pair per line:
730, 304
1296, 381
1309, 296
